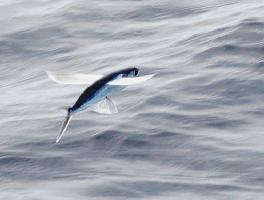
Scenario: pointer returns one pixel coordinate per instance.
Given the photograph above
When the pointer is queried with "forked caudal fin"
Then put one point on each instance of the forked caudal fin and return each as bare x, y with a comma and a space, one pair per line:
64, 125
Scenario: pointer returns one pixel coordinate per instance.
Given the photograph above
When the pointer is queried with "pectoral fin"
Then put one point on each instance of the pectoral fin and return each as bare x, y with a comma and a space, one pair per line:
73, 78
131, 80
87, 79
106, 106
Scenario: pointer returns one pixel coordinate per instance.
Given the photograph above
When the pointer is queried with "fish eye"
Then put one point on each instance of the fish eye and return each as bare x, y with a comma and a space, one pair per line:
136, 72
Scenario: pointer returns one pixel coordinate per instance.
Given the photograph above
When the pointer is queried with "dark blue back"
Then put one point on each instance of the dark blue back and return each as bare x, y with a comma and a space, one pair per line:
90, 92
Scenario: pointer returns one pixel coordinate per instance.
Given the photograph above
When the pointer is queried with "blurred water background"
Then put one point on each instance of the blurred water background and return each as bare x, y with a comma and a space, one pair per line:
195, 131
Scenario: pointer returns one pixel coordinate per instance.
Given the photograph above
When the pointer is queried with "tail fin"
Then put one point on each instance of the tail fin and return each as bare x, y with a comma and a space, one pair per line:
64, 125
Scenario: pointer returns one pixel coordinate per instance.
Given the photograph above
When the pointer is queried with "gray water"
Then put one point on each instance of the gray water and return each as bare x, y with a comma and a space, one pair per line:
194, 131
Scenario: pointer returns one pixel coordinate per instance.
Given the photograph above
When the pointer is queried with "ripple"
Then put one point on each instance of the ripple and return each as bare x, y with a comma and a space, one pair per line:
194, 131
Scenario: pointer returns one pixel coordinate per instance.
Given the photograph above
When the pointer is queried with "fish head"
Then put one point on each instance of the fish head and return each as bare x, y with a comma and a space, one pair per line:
131, 72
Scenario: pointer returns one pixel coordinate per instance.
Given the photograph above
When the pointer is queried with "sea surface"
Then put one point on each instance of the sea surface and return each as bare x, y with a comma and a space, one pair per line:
194, 131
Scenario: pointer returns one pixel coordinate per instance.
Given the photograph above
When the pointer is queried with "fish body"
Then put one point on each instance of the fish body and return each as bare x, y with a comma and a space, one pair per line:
99, 90
95, 93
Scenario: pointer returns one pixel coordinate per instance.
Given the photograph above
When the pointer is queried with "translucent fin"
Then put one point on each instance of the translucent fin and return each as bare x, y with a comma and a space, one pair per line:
131, 80
64, 126
106, 106
84, 79
73, 78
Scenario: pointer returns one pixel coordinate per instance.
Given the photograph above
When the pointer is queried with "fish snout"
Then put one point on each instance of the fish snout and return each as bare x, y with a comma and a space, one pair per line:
136, 72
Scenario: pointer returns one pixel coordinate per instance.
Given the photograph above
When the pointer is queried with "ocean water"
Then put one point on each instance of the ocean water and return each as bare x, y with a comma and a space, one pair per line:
194, 131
